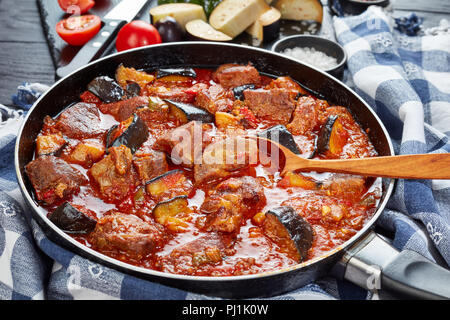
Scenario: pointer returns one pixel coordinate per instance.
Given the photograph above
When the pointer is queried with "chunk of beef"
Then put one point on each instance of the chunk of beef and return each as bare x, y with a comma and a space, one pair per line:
272, 104
82, 120
197, 255
173, 91
230, 202
124, 109
151, 165
249, 189
127, 234
224, 158
184, 144
233, 75
53, 178
305, 116
309, 114
286, 83
215, 98
114, 174
345, 186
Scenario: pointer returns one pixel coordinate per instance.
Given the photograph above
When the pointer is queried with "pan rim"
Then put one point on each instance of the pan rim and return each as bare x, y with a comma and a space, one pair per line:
150, 272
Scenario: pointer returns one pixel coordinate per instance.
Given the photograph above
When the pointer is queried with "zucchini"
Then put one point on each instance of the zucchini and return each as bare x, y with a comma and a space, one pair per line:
293, 234
281, 135
201, 30
173, 213
71, 220
170, 184
106, 89
300, 9
332, 137
267, 27
132, 133
232, 17
181, 12
187, 112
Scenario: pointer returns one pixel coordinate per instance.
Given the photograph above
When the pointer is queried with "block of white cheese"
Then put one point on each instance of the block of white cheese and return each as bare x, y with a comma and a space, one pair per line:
181, 12
234, 16
300, 9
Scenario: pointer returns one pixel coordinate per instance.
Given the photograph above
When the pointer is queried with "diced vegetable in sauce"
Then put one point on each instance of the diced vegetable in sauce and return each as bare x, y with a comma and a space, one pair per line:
290, 231
131, 133
72, 220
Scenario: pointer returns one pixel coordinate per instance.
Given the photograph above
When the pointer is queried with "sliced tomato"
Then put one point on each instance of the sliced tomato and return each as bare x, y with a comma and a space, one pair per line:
78, 30
135, 34
69, 5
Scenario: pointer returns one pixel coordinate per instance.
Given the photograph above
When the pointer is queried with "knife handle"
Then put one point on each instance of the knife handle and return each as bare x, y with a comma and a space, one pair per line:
93, 49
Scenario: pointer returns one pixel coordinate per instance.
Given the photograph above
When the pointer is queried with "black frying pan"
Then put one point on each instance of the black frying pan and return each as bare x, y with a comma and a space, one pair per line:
365, 259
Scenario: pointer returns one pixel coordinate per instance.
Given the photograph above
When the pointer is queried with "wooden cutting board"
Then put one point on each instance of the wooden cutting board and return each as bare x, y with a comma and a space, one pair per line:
62, 53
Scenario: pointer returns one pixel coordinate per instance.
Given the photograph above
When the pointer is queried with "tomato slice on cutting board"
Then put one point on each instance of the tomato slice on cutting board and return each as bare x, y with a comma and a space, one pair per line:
78, 30
84, 5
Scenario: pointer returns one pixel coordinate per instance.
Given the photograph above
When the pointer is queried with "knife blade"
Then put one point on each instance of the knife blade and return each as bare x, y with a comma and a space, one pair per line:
113, 21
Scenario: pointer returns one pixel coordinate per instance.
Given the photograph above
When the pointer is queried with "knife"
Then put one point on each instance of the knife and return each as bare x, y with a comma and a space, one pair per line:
113, 21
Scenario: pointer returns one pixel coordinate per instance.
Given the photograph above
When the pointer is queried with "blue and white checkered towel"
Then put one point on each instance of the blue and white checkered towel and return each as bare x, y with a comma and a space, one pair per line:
405, 79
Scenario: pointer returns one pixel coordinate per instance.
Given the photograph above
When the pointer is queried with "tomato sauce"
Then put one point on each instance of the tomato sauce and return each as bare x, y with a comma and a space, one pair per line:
336, 206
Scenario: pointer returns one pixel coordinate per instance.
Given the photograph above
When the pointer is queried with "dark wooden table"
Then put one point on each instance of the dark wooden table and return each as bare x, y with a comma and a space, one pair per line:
24, 55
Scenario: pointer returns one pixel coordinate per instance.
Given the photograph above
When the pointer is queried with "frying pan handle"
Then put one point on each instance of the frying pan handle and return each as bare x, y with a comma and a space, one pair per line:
374, 264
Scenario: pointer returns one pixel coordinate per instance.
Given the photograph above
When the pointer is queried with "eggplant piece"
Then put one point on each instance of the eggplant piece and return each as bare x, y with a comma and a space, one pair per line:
133, 136
72, 220
106, 89
283, 135
170, 184
324, 135
187, 112
293, 234
239, 91
133, 89
201, 30
185, 72
173, 213
169, 29
267, 27
331, 138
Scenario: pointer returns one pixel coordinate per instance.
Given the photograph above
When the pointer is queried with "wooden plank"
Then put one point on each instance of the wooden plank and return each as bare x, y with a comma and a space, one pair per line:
438, 6
20, 62
20, 21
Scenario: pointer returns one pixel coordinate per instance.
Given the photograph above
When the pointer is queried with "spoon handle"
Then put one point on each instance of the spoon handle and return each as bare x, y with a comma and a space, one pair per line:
417, 166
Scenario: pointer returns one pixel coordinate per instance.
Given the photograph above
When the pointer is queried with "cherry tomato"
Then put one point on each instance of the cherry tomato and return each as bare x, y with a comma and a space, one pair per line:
78, 30
84, 5
135, 34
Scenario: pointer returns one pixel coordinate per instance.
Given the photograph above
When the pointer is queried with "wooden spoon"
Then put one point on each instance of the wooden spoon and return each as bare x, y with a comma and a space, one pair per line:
415, 166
